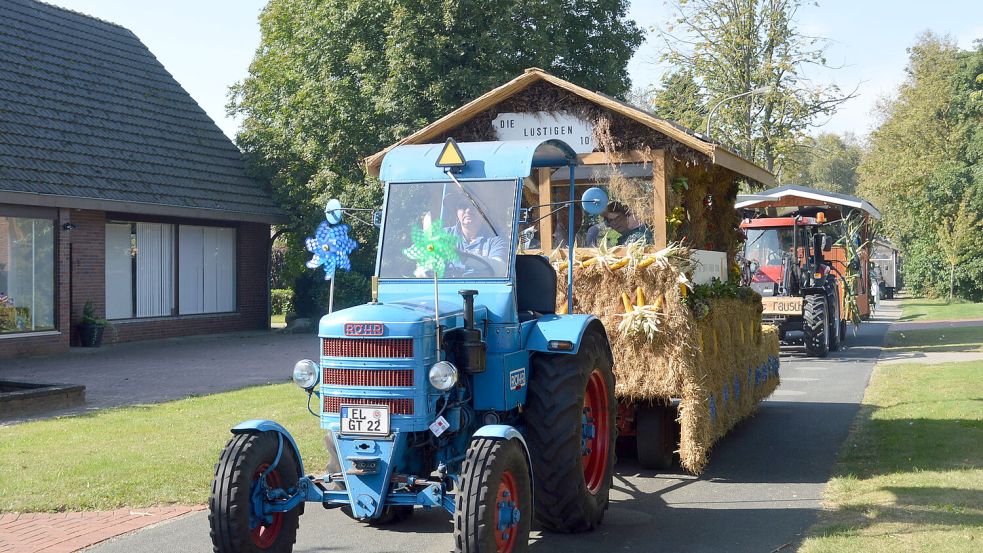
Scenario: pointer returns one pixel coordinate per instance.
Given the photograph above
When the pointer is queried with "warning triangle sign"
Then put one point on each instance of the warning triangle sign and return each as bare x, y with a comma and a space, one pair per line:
451, 155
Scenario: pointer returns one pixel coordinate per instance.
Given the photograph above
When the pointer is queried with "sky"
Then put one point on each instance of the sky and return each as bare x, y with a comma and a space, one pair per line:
207, 44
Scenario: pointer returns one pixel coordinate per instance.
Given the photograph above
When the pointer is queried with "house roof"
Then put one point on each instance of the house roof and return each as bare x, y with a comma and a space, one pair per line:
90, 119
791, 195
717, 154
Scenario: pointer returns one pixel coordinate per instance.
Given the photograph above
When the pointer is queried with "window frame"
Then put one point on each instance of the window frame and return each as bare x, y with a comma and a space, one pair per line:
42, 214
176, 276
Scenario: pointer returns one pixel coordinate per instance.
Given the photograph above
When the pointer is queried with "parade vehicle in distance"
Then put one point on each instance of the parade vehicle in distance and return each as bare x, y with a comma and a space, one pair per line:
886, 259
458, 386
800, 291
808, 252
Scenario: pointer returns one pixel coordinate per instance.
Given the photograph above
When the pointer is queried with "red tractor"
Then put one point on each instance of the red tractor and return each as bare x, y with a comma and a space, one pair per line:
800, 289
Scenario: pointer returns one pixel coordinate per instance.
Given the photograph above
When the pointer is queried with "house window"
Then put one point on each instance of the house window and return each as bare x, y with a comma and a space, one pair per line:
207, 269
155, 269
27, 274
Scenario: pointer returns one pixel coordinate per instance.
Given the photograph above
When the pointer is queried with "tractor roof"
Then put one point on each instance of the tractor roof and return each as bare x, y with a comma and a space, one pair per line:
484, 160
802, 196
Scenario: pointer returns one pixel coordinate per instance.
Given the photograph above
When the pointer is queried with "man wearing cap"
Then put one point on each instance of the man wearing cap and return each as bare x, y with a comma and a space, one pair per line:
477, 239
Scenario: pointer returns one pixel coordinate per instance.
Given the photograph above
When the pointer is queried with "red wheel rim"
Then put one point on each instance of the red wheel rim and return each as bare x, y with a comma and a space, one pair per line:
506, 527
596, 432
265, 535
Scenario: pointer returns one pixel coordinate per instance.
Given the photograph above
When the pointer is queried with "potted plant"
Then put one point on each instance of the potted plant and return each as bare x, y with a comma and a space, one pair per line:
91, 327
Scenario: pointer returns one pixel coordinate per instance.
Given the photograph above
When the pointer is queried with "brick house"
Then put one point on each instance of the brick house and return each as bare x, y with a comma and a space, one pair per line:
117, 188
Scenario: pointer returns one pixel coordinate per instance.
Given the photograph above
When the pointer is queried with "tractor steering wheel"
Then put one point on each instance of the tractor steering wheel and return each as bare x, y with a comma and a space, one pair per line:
475, 263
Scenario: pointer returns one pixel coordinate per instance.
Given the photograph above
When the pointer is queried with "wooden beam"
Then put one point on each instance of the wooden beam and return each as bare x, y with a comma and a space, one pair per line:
603, 158
660, 190
545, 198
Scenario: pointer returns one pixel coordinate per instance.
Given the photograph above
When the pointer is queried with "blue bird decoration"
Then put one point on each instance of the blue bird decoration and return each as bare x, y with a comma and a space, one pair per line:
331, 246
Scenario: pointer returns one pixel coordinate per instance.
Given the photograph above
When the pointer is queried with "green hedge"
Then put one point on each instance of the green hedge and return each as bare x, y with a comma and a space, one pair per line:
282, 299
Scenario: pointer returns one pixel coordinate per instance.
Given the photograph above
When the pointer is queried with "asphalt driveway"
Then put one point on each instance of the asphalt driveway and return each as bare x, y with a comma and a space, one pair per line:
164, 370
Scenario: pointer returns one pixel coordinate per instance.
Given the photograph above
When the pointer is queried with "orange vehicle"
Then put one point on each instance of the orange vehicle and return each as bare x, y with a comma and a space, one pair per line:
807, 254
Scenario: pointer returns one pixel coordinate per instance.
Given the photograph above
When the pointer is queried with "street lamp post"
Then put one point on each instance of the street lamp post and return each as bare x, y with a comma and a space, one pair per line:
759, 90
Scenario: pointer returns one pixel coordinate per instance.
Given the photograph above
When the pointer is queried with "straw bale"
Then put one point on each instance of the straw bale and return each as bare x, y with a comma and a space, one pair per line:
719, 367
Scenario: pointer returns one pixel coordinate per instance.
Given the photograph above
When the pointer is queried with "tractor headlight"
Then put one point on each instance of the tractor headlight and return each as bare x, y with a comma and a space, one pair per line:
443, 375
305, 374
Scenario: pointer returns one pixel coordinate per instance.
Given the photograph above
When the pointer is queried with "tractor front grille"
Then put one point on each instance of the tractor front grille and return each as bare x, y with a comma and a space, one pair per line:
400, 406
379, 348
399, 378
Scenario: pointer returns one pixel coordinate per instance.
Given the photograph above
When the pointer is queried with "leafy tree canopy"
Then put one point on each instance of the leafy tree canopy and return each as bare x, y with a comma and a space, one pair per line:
828, 162
334, 81
924, 168
680, 99
733, 48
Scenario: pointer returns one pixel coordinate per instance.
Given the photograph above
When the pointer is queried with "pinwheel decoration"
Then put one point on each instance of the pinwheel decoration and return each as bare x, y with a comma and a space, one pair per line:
433, 248
331, 246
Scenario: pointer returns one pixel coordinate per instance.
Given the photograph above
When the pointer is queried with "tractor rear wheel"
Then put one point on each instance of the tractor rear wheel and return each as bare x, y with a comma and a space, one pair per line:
815, 326
570, 420
493, 507
234, 527
655, 436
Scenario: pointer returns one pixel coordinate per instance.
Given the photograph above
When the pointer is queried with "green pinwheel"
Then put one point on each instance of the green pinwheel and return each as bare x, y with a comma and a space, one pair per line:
433, 248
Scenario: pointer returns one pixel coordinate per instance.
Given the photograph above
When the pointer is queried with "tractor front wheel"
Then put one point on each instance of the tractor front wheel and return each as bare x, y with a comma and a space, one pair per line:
244, 462
815, 326
493, 508
570, 426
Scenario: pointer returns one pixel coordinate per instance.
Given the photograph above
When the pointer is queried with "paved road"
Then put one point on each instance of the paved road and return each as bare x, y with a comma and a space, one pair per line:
760, 494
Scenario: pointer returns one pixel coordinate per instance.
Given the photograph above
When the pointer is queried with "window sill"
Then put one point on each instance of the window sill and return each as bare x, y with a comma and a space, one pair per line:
224, 315
30, 334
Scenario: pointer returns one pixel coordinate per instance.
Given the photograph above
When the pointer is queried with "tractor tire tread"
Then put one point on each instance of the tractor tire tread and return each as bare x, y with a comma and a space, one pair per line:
555, 398
225, 504
815, 326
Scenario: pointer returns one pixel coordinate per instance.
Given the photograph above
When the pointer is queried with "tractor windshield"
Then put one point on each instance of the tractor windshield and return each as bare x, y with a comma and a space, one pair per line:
768, 246
455, 232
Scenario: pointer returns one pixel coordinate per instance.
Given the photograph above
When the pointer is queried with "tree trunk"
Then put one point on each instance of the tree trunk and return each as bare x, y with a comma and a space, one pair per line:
952, 279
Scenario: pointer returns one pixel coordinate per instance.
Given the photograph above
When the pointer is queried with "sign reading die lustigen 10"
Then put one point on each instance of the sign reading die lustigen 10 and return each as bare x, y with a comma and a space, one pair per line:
459, 377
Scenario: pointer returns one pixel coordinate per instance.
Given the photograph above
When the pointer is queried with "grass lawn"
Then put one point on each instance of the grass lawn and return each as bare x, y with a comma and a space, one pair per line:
945, 339
141, 456
910, 476
921, 309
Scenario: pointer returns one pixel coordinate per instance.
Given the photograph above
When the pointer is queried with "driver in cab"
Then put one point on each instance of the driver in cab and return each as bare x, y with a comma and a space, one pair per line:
478, 240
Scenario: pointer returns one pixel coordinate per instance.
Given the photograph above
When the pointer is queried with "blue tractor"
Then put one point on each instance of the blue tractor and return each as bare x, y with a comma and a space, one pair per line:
458, 386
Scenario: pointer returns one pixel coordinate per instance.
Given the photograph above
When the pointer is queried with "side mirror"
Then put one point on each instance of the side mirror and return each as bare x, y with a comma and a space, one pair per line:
333, 211
377, 218
594, 201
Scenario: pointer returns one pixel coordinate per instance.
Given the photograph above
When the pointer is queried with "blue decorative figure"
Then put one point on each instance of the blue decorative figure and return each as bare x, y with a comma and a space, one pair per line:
331, 246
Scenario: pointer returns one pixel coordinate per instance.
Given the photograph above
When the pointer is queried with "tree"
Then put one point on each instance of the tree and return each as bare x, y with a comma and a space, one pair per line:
680, 99
828, 162
732, 48
923, 168
334, 81
959, 239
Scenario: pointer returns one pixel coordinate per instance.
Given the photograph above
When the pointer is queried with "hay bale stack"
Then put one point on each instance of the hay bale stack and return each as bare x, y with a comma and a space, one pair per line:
720, 367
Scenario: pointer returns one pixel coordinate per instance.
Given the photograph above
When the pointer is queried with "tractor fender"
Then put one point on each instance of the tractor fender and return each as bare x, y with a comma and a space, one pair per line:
569, 328
506, 432
262, 425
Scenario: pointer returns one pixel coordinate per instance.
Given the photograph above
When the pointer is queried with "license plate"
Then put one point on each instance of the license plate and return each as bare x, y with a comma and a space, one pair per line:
372, 420
781, 306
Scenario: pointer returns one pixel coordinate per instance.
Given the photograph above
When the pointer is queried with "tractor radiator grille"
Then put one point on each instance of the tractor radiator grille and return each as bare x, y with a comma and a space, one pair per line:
401, 378
381, 348
396, 406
